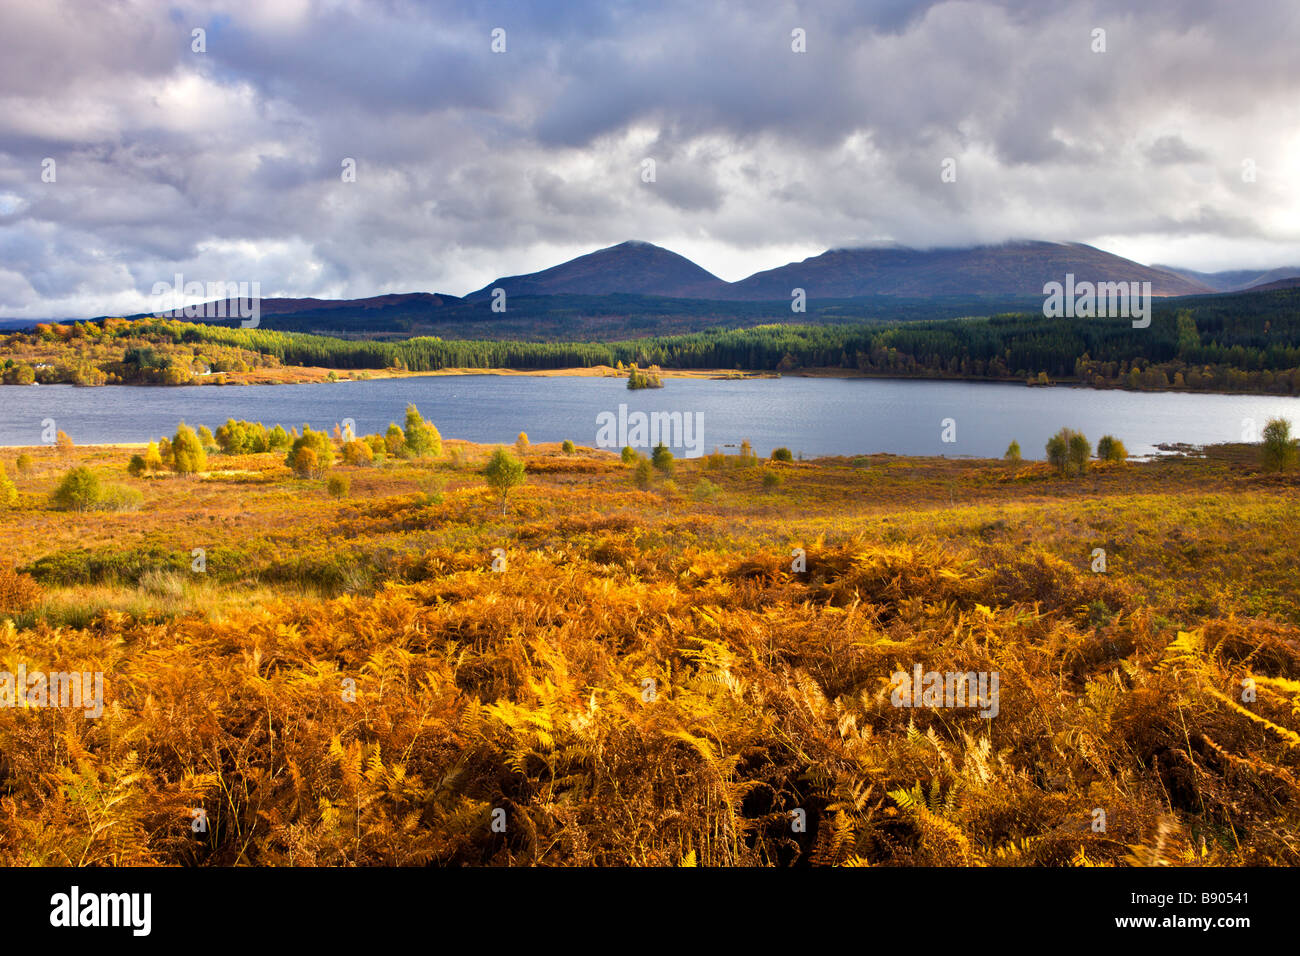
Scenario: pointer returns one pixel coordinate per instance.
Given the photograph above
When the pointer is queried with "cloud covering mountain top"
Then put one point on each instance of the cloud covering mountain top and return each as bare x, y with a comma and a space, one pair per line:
1179, 143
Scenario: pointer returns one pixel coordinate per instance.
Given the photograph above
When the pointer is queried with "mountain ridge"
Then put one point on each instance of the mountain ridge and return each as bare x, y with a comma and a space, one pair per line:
1019, 267
1237, 280
641, 272
1013, 268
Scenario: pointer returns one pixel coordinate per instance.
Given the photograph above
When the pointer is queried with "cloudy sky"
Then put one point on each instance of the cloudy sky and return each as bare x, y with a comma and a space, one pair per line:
1178, 144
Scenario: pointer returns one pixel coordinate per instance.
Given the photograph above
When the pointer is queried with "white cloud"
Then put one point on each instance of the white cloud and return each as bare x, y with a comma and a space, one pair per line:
473, 165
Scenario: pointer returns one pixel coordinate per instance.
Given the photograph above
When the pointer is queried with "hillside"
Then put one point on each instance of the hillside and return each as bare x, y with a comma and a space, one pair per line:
1277, 285
632, 267
1236, 280
650, 679
570, 318
1019, 268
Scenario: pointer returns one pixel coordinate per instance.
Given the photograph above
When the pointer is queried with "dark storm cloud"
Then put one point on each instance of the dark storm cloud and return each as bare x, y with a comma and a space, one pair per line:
471, 164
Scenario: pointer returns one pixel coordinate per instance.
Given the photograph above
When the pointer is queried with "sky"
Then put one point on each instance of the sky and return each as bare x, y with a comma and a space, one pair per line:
1167, 131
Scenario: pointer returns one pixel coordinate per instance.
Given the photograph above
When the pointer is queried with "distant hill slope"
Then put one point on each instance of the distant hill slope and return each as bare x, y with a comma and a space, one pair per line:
1016, 268
1272, 277
1236, 280
274, 306
1292, 282
570, 318
635, 268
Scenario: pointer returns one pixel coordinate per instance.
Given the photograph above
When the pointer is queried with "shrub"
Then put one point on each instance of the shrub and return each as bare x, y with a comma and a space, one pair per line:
20, 375
377, 444
357, 452
629, 455
568, 447
503, 472
422, 438
339, 486
64, 443
432, 486
1080, 451
78, 491
89, 375
394, 439
321, 458
771, 480
704, 490
232, 437
1013, 451
18, 592
136, 466
662, 459
1278, 450
188, 456
1058, 451
304, 462
715, 460
1110, 448
248, 437
782, 454
164, 583
258, 439
647, 379
643, 474
119, 498
521, 443
152, 457
24, 464
1068, 451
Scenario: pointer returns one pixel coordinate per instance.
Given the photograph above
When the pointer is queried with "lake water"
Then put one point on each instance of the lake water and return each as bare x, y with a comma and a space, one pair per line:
809, 415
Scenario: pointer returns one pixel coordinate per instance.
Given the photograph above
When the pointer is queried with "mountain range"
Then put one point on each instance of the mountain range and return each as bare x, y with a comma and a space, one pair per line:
640, 288
1013, 268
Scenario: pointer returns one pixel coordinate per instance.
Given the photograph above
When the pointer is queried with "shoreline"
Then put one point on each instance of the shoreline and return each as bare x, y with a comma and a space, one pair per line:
320, 376
1164, 450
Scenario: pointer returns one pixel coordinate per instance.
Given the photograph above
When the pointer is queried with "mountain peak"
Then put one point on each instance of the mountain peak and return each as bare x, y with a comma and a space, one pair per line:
634, 266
